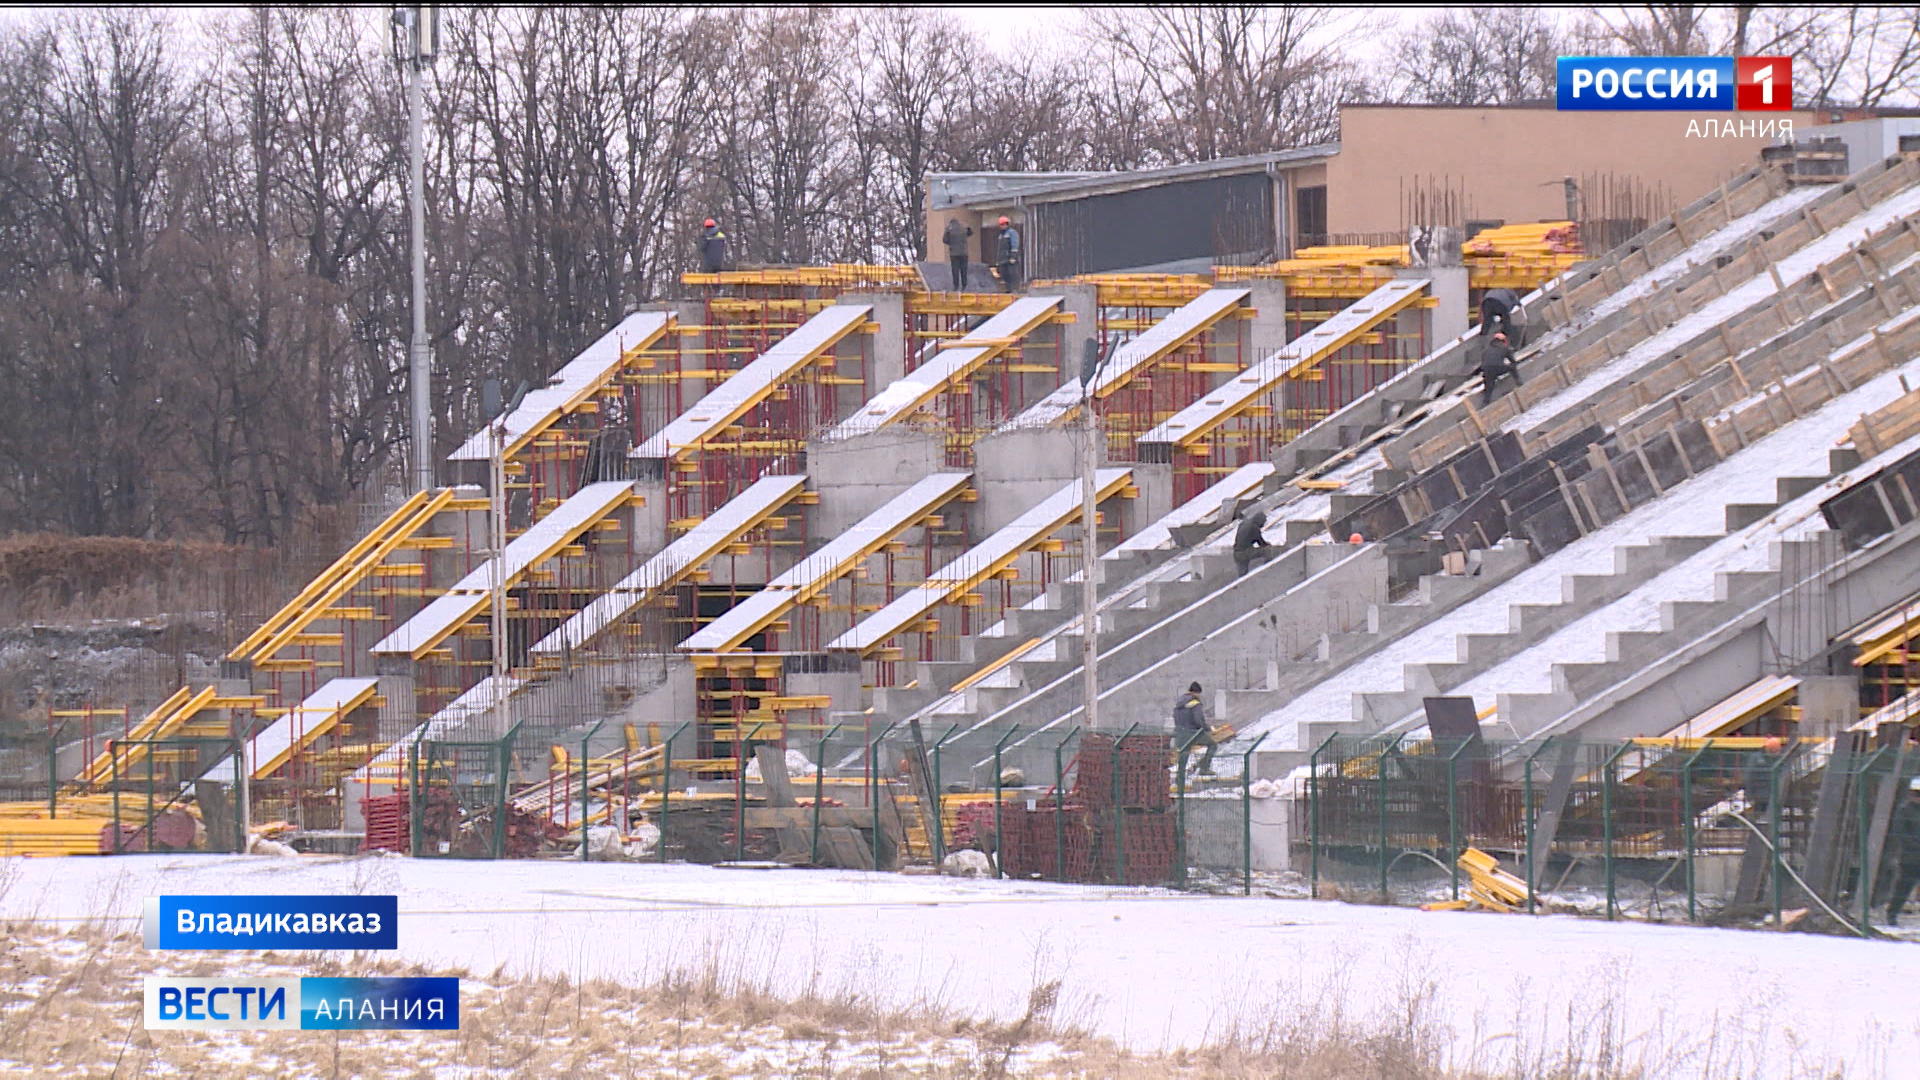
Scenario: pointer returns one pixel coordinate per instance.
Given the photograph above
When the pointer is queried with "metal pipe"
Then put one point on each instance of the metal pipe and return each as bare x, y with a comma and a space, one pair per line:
999, 828
420, 361
819, 782
666, 782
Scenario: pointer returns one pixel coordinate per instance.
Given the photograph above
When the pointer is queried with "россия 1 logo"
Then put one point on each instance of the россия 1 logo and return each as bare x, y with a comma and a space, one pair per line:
1689, 83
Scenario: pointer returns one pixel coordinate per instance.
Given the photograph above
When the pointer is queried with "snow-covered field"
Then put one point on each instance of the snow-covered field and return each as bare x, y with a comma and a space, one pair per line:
1148, 968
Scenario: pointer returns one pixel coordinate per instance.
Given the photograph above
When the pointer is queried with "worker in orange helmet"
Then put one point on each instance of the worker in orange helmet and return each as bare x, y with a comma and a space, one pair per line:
1009, 260
713, 247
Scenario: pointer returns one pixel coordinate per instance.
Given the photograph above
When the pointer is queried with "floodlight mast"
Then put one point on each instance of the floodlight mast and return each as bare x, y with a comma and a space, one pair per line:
416, 40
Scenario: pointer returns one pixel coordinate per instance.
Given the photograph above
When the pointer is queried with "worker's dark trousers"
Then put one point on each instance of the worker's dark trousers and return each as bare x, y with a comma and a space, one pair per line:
1903, 883
1245, 558
1200, 739
1010, 276
958, 263
1489, 379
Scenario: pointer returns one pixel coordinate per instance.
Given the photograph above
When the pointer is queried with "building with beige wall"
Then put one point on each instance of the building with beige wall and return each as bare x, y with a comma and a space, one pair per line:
1394, 167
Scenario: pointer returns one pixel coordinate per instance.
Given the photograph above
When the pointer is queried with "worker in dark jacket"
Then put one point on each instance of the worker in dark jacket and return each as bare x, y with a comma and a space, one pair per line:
1009, 260
1496, 359
713, 247
1249, 546
955, 238
1190, 726
1497, 309
1903, 851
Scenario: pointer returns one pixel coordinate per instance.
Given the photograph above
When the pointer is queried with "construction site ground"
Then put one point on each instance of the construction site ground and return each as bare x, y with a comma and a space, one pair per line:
1149, 970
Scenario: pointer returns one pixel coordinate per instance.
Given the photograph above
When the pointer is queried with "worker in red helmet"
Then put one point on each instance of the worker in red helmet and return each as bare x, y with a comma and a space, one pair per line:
1009, 260
713, 247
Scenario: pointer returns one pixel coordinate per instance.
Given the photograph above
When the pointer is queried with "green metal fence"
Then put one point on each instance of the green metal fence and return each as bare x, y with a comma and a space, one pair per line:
1706, 831
459, 802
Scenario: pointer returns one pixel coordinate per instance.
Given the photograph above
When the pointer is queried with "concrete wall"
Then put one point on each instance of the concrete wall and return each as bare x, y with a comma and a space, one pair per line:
1508, 163
1448, 319
853, 477
1017, 469
1267, 330
888, 345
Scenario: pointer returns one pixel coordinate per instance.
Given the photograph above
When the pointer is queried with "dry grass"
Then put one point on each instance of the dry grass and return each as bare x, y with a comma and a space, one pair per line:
70, 1007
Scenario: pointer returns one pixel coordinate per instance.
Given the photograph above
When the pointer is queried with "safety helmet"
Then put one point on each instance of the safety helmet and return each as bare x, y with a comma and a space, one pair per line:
1004, 222
710, 223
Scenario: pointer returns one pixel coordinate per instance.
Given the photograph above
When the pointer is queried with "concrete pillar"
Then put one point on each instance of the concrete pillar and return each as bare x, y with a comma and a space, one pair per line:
1083, 301
1155, 501
1829, 704
1267, 330
1017, 469
887, 359
1447, 320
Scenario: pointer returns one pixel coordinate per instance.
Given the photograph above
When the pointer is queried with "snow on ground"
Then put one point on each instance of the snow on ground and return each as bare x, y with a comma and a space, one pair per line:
1149, 968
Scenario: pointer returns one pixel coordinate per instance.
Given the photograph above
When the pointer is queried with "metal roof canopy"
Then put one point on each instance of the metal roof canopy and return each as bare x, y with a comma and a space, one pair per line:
581, 378
834, 560
1050, 187
1136, 355
749, 386
953, 364
472, 594
673, 563
1298, 356
978, 563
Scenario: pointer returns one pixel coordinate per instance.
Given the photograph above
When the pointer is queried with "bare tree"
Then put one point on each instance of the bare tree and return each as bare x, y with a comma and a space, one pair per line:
1231, 80
1477, 56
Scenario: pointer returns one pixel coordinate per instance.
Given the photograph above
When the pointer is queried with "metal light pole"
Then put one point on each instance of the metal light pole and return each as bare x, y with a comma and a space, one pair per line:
416, 39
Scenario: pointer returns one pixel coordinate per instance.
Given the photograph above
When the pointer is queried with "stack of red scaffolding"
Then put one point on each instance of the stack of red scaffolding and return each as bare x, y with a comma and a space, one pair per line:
1115, 826
387, 822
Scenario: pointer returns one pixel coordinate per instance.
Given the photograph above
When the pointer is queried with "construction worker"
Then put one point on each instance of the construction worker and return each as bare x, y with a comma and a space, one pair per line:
1190, 726
713, 247
1496, 312
1249, 546
1903, 851
1496, 359
955, 238
1009, 261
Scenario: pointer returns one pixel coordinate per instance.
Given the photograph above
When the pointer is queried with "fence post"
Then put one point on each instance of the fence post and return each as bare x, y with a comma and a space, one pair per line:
1060, 807
873, 793
239, 823
1865, 879
1608, 774
53, 768
1313, 816
1246, 815
999, 830
1527, 816
939, 811
504, 750
666, 783
1778, 856
740, 787
1453, 818
1180, 809
586, 806
1119, 812
1686, 811
113, 761
1380, 780
819, 789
